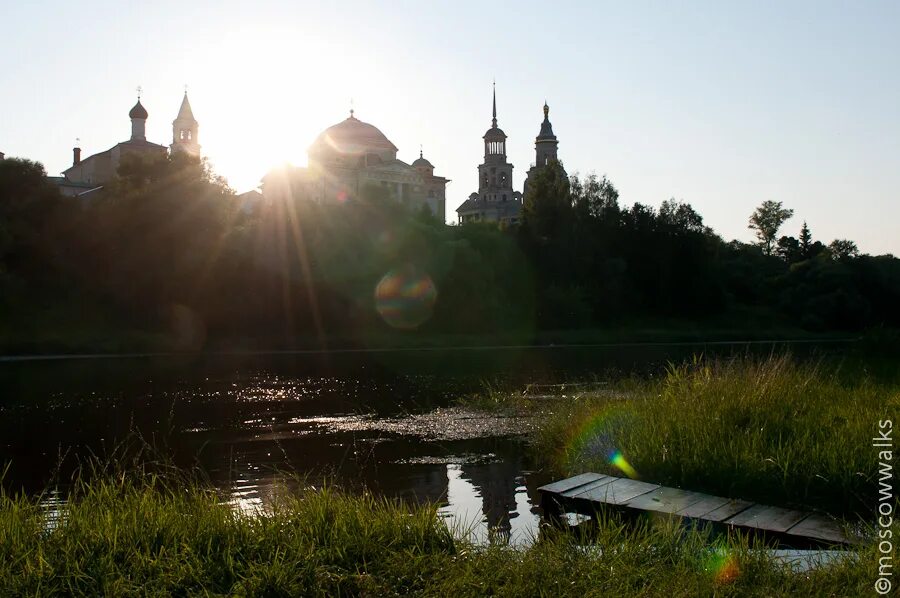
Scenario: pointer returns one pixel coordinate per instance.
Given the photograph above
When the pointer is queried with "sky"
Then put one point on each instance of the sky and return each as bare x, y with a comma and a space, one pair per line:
721, 105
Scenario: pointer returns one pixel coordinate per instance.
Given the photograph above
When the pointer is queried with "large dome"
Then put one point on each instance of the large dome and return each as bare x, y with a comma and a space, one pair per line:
352, 136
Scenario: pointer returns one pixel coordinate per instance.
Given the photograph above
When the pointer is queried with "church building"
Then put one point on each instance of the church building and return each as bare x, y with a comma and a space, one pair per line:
91, 173
495, 200
352, 158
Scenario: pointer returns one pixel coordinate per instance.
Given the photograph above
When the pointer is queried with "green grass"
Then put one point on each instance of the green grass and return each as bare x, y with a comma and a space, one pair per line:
140, 535
768, 430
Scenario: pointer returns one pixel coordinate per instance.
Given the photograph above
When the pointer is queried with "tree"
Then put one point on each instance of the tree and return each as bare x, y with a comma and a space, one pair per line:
29, 203
596, 197
789, 249
843, 249
766, 220
805, 241
681, 216
548, 204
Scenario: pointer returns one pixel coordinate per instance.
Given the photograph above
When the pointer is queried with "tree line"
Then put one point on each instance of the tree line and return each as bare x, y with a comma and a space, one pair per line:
170, 254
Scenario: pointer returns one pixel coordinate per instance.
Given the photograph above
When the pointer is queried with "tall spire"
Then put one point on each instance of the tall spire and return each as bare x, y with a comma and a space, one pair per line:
185, 112
185, 129
546, 127
494, 121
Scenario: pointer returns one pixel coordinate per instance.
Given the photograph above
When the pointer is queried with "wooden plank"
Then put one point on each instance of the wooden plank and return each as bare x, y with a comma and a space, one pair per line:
666, 500
587, 487
773, 519
818, 527
570, 483
618, 492
706, 505
731, 508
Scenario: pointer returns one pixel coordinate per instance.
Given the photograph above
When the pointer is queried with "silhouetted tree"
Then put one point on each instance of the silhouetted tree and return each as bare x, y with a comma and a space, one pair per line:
547, 211
805, 241
766, 220
789, 249
597, 198
167, 249
842, 249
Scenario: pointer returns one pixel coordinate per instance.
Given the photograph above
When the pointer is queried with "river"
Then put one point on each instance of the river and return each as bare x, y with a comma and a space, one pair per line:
381, 421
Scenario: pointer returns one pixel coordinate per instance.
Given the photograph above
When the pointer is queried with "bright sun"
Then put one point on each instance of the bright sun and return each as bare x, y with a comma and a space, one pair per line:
273, 95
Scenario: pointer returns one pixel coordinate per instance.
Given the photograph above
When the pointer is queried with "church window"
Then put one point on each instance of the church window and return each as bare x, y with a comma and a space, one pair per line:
504, 197
190, 135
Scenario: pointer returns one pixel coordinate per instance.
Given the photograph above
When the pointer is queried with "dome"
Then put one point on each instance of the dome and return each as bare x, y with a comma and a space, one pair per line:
138, 111
352, 136
421, 162
495, 134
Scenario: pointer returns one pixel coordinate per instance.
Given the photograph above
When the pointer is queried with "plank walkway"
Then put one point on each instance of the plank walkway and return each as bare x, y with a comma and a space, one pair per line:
585, 494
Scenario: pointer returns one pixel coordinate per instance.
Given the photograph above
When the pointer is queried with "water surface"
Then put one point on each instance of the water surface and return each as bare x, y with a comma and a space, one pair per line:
377, 421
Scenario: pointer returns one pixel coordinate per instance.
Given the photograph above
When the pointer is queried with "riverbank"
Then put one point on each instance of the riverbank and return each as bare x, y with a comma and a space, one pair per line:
772, 430
133, 533
776, 430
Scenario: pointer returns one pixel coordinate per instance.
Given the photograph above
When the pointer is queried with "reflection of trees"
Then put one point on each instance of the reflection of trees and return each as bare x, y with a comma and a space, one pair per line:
430, 483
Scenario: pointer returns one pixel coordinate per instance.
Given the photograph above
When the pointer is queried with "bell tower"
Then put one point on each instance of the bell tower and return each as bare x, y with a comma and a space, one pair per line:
546, 147
495, 174
545, 144
184, 130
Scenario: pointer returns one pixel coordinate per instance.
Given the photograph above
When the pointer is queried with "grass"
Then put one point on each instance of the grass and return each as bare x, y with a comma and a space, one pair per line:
768, 430
142, 535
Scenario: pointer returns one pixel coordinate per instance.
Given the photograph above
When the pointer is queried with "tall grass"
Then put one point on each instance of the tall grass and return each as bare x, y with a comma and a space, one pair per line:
131, 535
769, 430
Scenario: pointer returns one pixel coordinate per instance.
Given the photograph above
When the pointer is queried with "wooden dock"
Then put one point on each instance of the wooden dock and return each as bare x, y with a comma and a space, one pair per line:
589, 492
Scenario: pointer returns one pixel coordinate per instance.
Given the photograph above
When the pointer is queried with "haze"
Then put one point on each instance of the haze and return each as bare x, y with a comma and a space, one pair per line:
719, 107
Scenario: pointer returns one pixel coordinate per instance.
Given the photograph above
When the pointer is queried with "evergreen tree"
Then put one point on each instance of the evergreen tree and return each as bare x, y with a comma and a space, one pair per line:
805, 241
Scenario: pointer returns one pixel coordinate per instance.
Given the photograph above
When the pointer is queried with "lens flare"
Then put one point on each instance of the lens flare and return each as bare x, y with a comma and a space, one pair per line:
405, 298
619, 461
723, 566
595, 439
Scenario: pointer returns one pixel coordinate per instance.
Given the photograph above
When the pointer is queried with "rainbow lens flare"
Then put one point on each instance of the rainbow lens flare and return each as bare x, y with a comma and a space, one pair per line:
619, 461
405, 298
723, 566
596, 439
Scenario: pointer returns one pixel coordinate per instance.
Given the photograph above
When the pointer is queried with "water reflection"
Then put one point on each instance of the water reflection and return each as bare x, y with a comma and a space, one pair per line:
254, 436
484, 515
244, 421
